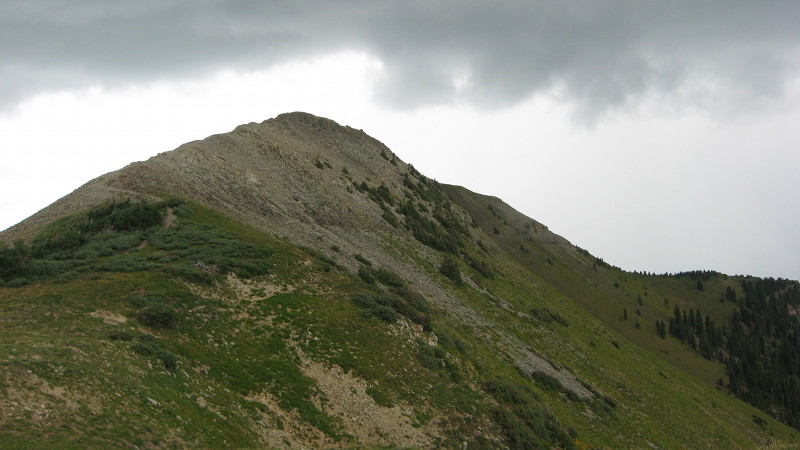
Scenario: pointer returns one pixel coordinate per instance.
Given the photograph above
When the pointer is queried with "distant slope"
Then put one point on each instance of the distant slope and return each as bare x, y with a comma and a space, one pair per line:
293, 283
732, 352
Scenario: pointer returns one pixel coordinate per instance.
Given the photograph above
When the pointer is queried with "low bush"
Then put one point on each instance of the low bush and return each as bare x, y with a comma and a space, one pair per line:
542, 315
366, 275
363, 300
430, 356
362, 260
390, 218
446, 340
480, 266
525, 422
148, 345
121, 335
189, 273
509, 393
169, 360
547, 382
125, 263
547, 316
182, 211
18, 282
449, 269
65, 277
124, 216
143, 348
387, 277
155, 311
49, 267
158, 315
385, 313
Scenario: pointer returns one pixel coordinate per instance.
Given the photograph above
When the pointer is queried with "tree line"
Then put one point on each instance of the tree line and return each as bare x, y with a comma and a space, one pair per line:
759, 345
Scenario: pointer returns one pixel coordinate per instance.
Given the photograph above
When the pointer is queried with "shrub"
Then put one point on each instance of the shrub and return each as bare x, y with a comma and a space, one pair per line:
18, 282
519, 435
125, 263
363, 300
509, 393
526, 424
547, 316
430, 356
362, 260
547, 382
158, 314
390, 218
189, 273
169, 360
65, 277
405, 308
146, 348
480, 266
148, 345
366, 275
125, 215
173, 202
385, 313
121, 335
387, 277
414, 298
542, 314
63, 235
182, 211
449, 269
47, 267
559, 318
386, 299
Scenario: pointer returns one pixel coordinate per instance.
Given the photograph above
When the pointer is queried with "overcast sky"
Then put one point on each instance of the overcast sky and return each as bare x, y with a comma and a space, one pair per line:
660, 135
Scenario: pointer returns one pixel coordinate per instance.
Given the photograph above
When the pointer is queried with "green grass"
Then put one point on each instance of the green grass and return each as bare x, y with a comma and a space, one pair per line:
188, 337
662, 389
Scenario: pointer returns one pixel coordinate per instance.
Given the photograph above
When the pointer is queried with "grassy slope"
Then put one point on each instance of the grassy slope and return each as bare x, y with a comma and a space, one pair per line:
659, 379
65, 383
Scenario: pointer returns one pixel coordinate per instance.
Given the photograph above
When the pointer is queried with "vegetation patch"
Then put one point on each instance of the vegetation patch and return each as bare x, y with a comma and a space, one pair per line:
450, 269
525, 422
128, 236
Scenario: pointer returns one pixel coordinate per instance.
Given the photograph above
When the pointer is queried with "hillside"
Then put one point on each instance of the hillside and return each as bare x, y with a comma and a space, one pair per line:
295, 284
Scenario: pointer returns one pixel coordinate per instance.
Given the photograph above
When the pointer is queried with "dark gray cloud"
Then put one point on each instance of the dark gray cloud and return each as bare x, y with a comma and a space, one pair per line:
599, 55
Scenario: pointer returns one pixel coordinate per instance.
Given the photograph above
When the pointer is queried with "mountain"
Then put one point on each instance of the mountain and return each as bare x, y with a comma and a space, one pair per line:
293, 283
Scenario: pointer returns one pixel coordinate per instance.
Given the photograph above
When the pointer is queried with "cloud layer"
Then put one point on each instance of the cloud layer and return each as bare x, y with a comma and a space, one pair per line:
728, 55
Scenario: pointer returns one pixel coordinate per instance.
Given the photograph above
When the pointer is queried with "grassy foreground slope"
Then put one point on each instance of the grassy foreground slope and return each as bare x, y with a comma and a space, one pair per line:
155, 335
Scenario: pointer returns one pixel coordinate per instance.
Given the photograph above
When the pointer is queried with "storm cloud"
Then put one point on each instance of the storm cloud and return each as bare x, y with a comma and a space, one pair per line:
727, 56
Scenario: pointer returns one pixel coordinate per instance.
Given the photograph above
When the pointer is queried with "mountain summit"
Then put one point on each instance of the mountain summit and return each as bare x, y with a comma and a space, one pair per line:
293, 283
